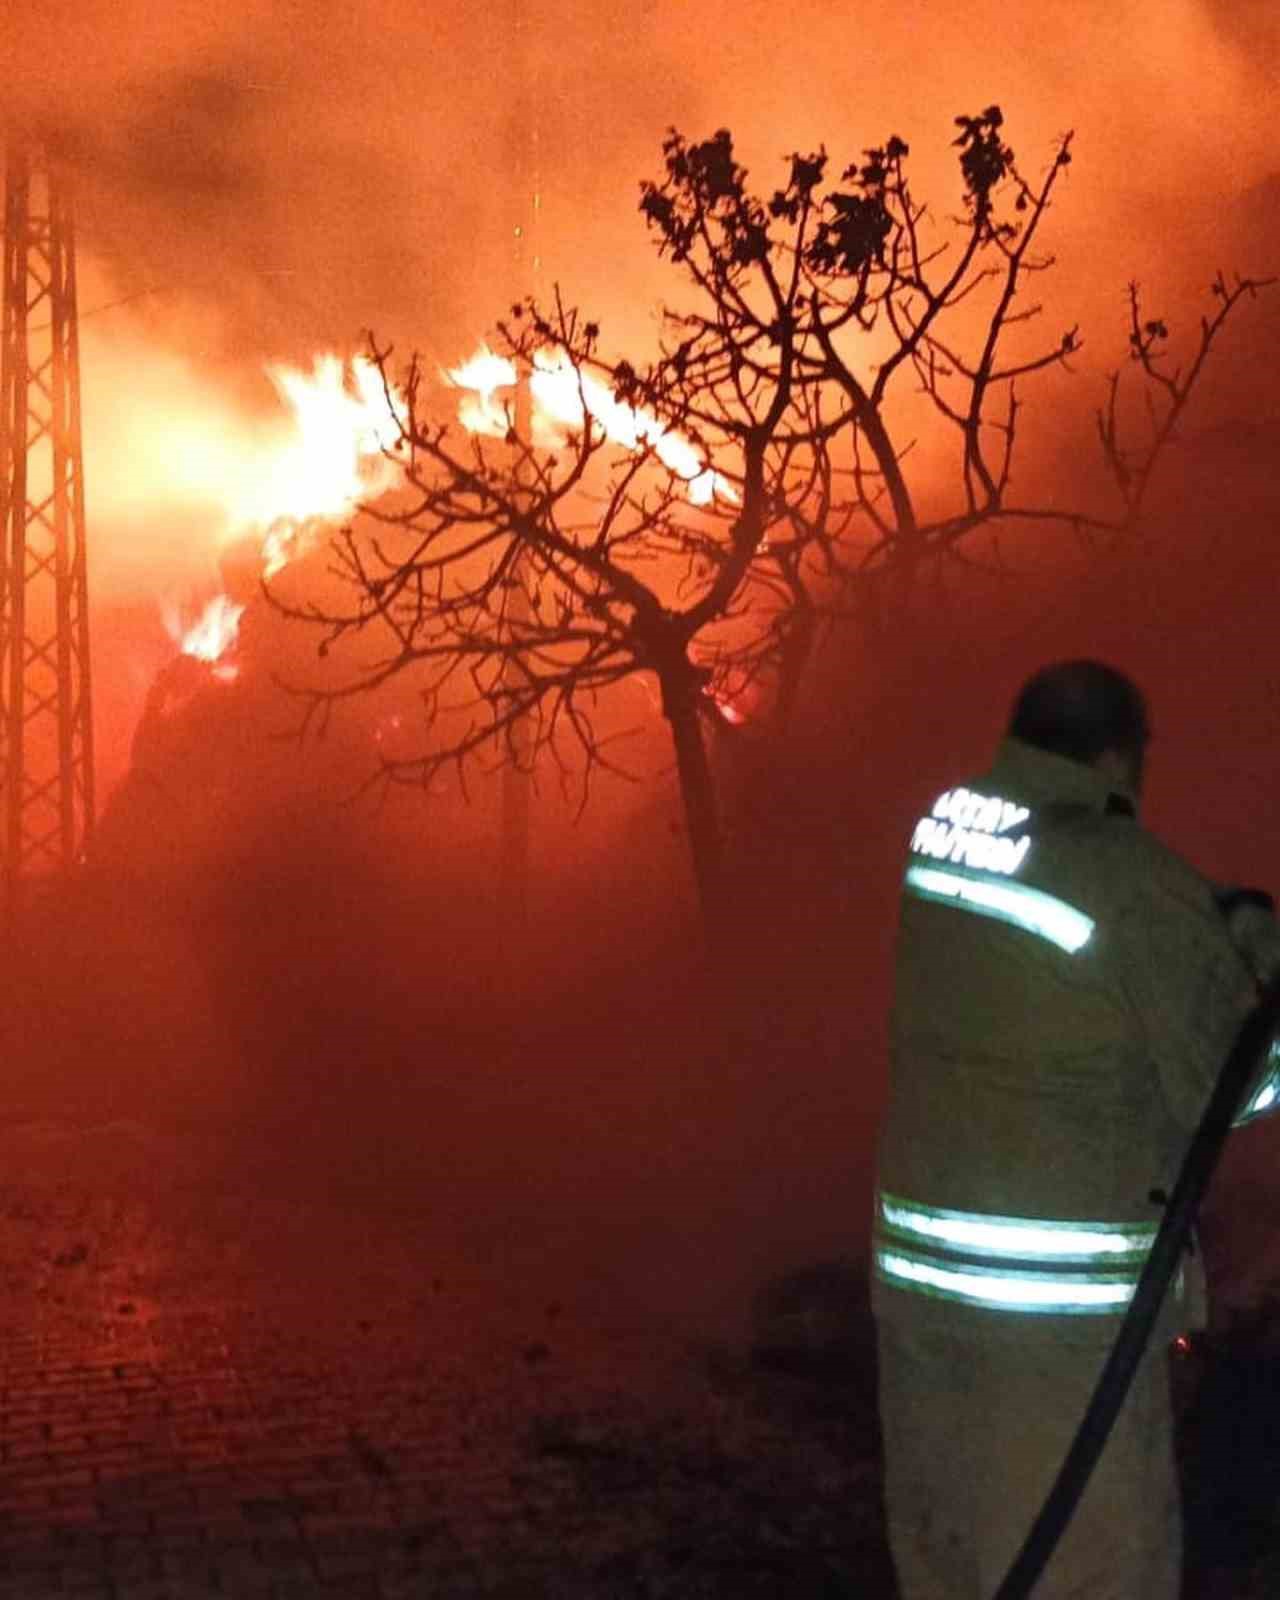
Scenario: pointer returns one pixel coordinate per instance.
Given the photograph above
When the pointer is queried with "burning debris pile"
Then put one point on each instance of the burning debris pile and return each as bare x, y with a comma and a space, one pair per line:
344, 428
206, 723
340, 454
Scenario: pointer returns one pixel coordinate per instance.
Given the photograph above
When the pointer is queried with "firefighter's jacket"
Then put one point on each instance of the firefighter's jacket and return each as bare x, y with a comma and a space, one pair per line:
1066, 993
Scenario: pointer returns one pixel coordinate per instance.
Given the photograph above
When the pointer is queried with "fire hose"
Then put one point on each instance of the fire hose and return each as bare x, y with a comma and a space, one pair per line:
1251, 1043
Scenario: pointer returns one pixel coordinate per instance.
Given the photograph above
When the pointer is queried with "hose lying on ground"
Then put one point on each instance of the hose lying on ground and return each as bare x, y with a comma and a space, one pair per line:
1251, 1044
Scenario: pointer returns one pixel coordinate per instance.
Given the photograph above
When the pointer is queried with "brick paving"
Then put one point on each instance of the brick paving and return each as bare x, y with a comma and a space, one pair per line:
218, 1381
208, 1389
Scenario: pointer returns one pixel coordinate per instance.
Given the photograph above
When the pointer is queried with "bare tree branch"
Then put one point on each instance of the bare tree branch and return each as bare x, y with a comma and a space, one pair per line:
704, 517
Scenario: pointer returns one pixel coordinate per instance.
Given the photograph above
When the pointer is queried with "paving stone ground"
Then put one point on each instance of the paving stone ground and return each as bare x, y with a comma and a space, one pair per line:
217, 1381
213, 1387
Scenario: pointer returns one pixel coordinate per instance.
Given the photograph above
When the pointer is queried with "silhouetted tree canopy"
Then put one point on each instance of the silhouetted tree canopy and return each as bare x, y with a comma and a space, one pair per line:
820, 333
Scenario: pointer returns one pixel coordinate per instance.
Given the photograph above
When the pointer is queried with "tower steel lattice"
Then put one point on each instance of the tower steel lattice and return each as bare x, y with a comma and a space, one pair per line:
46, 727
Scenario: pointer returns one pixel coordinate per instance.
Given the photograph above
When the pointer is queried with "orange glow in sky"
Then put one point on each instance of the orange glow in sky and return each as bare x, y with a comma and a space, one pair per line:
255, 184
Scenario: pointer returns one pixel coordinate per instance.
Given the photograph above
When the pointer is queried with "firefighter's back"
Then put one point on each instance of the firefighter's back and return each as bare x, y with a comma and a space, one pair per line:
1022, 1156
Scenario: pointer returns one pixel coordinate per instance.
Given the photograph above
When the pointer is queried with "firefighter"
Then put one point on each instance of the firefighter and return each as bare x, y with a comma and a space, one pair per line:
1066, 990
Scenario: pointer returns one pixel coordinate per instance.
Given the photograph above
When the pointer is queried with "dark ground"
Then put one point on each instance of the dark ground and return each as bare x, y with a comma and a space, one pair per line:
339, 1263
219, 1381
216, 1390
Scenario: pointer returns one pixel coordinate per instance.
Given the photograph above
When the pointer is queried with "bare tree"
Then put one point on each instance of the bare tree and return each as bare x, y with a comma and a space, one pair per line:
1132, 466
763, 485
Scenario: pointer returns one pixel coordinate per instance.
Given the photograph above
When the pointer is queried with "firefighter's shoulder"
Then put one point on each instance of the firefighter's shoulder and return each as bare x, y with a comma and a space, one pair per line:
1146, 869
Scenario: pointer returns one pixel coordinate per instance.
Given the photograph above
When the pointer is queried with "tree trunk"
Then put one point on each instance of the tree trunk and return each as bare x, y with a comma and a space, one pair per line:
680, 690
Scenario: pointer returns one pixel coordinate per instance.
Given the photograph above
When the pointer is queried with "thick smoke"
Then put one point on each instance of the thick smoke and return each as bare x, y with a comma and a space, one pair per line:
258, 182
306, 173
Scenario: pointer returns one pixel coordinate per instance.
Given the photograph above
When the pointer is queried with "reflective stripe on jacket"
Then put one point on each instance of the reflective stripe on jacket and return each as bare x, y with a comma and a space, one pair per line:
1009, 1263
1066, 991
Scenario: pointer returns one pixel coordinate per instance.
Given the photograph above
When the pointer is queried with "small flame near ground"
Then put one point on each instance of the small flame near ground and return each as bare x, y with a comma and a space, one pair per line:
734, 715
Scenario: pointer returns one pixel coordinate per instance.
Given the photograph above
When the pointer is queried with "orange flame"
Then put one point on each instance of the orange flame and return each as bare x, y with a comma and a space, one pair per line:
334, 454
730, 712
211, 635
563, 397
484, 374
727, 708
344, 428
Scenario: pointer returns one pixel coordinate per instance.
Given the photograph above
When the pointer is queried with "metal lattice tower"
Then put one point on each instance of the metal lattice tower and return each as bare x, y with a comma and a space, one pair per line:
46, 726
